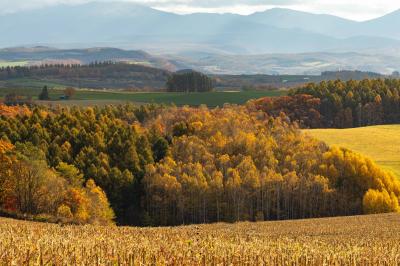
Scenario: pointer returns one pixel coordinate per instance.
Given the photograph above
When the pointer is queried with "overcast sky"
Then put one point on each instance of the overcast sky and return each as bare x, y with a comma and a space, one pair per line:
352, 9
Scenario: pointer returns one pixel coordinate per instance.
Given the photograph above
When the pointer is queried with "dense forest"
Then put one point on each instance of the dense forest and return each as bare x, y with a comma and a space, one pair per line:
189, 81
266, 82
167, 166
338, 104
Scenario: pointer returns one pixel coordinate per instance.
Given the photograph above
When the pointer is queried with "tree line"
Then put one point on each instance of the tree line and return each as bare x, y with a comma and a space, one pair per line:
113, 75
338, 104
167, 166
94, 70
94, 75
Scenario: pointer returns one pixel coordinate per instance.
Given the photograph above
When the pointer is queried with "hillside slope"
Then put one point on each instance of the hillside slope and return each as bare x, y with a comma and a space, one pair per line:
96, 76
381, 143
48, 55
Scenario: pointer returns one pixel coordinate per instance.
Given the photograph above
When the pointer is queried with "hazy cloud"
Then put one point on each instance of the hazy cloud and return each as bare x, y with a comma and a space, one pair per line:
354, 9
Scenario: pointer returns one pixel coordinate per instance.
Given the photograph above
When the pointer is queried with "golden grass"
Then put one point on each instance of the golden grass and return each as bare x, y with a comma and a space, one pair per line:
380, 143
358, 240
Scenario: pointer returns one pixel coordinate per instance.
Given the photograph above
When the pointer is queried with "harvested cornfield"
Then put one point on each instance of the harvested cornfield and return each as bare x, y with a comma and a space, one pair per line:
358, 240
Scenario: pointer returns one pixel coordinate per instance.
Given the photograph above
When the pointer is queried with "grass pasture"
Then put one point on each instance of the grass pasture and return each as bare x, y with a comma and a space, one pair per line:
29, 83
380, 143
358, 240
211, 99
13, 63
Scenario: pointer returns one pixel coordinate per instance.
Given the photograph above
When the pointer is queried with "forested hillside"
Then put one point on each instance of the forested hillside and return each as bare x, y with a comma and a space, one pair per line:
339, 104
95, 75
169, 166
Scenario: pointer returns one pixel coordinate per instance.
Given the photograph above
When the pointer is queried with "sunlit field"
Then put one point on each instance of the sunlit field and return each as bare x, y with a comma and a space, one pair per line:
13, 63
381, 143
358, 240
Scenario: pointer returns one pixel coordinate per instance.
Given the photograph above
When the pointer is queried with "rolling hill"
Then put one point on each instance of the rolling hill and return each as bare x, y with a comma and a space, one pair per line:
381, 143
47, 55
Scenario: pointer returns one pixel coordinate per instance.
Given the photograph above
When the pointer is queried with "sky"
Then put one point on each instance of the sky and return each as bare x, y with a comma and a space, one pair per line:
352, 9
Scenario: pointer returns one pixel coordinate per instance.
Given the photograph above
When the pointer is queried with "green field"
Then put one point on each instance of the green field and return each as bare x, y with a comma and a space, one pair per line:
29, 83
210, 99
381, 143
13, 63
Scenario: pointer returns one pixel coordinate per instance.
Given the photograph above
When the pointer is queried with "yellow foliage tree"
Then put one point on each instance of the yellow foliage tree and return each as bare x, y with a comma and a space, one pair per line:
376, 201
99, 208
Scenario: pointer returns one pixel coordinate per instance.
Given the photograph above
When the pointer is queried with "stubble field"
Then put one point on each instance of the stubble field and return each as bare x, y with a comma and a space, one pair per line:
358, 240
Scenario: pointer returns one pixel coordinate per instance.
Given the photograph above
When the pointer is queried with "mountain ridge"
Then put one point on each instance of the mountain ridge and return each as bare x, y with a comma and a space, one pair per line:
133, 26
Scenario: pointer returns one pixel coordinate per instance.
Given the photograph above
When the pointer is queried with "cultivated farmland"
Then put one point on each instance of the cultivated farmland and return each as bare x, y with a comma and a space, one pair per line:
358, 240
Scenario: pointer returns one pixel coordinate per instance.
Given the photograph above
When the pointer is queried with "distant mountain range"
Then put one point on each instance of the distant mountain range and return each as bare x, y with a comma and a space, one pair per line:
127, 25
211, 63
277, 41
292, 64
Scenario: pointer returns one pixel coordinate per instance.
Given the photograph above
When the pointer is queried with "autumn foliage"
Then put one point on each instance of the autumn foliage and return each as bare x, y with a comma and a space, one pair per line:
13, 111
169, 166
28, 186
339, 104
301, 108
234, 165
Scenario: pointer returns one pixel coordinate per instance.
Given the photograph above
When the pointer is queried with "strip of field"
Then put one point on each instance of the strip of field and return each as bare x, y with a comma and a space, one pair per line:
381, 143
13, 63
358, 240
210, 99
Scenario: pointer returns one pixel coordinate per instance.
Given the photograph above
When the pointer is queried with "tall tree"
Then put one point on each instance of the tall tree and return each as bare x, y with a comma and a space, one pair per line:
44, 94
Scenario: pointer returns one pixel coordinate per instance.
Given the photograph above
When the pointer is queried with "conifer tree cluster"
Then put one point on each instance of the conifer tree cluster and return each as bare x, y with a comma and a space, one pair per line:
189, 81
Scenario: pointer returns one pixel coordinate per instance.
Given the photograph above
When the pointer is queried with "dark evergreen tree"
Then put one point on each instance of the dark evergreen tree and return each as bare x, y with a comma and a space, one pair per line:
44, 95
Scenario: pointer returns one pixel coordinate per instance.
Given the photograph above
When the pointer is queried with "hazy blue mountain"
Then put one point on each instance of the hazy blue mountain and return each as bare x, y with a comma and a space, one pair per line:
292, 19
127, 25
386, 26
94, 22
